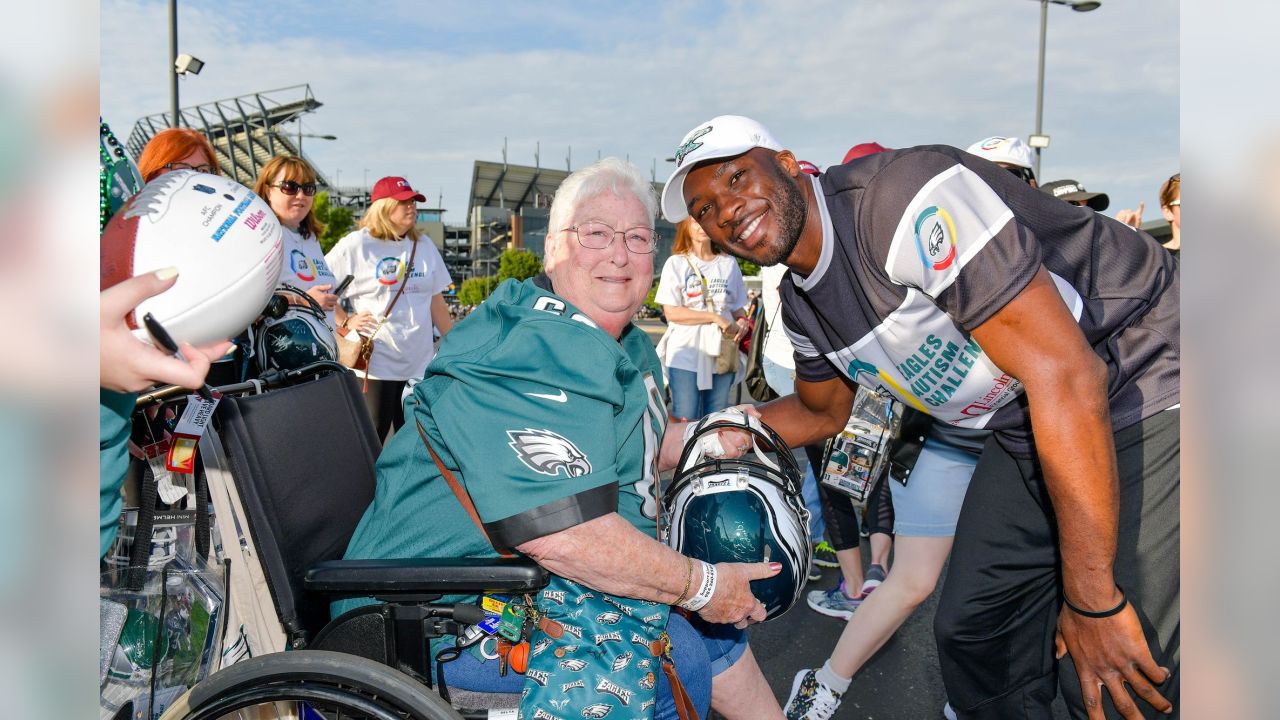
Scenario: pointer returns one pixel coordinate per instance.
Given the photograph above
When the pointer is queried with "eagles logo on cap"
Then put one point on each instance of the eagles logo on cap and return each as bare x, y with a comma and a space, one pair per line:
720, 137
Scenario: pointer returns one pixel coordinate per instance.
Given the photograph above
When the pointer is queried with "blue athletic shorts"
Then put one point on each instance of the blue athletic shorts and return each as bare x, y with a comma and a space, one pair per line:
929, 504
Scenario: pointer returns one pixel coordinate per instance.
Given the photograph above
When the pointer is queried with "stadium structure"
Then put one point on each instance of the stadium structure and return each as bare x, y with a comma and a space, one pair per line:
509, 207
247, 131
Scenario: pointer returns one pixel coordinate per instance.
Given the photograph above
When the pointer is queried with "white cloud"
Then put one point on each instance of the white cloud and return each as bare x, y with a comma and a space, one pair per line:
823, 75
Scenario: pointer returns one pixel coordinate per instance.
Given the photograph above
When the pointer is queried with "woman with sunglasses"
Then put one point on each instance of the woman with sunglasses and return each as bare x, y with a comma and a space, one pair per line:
177, 149
288, 184
396, 294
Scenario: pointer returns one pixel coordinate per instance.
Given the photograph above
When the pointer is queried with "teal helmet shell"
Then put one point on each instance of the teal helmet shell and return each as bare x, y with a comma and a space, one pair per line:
745, 510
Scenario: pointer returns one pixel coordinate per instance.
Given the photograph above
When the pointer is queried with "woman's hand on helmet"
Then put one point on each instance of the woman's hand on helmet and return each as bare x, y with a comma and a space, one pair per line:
733, 602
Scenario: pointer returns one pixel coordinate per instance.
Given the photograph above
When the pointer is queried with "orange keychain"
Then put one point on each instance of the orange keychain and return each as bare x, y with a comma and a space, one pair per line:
518, 657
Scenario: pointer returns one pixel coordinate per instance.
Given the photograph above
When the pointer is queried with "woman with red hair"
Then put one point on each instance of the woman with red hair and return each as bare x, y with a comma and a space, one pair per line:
177, 149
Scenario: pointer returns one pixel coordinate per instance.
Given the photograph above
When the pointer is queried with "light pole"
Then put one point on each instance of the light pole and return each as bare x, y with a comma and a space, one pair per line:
179, 64
1040, 140
173, 69
311, 135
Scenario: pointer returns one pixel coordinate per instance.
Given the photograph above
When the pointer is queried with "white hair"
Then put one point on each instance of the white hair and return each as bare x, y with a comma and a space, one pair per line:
609, 175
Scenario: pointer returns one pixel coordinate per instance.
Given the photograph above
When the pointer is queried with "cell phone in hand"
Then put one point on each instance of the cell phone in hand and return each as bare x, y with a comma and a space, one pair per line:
342, 286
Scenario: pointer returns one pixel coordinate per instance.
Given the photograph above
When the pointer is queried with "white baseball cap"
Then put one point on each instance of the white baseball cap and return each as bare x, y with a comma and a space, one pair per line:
720, 137
1009, 150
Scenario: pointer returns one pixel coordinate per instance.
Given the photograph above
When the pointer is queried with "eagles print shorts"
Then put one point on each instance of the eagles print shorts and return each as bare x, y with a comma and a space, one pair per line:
603, 665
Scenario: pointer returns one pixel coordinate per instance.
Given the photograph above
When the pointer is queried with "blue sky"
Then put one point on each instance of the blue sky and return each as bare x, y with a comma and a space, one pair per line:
422, 89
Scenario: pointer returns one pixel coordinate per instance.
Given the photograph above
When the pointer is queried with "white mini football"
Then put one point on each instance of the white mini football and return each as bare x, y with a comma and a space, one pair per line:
224, 240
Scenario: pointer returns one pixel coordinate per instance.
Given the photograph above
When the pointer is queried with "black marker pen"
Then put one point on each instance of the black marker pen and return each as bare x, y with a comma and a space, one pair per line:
164, 340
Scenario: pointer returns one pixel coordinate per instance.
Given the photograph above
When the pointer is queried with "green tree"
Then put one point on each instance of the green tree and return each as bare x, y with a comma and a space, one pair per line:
518, 264
748, 267
474, 290
338, 221
653, 291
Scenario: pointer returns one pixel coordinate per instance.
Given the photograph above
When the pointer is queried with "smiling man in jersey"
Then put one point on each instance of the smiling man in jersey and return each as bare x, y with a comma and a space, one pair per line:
938, 277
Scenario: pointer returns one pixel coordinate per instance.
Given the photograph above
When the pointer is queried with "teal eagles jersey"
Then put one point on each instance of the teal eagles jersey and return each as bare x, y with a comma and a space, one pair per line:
545, 419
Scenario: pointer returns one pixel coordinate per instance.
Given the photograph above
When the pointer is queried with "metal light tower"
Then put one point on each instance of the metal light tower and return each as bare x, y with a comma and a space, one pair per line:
183, 64
173, 68
1040, 140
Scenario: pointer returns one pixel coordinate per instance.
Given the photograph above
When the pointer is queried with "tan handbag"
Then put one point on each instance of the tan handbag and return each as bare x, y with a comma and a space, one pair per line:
727, 360
354, 353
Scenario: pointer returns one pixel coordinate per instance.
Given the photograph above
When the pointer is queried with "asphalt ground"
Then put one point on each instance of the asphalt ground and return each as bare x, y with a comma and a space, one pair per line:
901, 682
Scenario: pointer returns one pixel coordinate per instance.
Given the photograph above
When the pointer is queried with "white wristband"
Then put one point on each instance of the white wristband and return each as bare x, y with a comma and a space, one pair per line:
706, 589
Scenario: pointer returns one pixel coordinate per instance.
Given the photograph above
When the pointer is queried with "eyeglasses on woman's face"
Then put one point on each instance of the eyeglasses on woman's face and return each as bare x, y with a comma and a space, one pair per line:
291, 188
595, 235
201, 168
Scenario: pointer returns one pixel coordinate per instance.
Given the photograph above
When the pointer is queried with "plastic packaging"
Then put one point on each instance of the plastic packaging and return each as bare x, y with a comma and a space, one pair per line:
857, 456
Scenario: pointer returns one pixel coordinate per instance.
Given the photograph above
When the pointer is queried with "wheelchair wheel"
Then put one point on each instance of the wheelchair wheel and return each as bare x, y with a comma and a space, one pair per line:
310, 684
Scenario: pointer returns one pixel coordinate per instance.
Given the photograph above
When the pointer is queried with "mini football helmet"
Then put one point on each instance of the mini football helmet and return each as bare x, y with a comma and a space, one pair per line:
293, 335
746, 510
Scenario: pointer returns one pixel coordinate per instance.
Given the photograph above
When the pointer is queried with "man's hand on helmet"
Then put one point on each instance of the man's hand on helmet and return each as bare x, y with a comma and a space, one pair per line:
733, 602
726, 443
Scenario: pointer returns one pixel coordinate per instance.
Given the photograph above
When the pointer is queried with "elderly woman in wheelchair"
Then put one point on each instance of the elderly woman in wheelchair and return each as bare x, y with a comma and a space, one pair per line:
540, 428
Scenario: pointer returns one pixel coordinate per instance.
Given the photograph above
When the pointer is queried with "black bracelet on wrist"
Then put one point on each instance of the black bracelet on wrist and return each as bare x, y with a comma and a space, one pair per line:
1124, 600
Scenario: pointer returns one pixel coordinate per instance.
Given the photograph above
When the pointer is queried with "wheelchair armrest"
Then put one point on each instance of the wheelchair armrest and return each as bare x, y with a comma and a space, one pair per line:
415, 577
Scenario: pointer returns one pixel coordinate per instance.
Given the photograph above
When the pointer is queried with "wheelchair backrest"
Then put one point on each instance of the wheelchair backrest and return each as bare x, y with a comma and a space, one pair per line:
303, 460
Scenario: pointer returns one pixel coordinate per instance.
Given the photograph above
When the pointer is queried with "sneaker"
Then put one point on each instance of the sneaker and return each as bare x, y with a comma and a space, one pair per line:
815, 572
875, 575
948, 712
825, 555
810, 699
834, 602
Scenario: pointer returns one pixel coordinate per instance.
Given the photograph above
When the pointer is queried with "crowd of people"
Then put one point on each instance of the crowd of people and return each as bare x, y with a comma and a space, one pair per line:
1029, 342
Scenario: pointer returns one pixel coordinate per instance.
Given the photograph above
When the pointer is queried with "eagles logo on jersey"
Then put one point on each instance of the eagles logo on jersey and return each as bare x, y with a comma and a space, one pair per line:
546, 452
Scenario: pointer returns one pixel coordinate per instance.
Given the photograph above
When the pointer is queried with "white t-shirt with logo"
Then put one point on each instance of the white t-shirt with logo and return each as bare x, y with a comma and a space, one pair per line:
304, 265
405, 343
694, 347
778, 354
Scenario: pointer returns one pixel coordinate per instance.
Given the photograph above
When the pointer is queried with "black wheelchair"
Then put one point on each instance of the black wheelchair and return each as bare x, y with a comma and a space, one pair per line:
299, 448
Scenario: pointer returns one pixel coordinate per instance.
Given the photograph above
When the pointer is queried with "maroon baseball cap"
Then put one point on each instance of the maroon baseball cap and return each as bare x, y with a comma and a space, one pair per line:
808, 167
395, 187
863, 150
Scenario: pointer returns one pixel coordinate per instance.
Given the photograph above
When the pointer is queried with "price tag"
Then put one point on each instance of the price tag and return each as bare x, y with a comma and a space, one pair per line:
181, 457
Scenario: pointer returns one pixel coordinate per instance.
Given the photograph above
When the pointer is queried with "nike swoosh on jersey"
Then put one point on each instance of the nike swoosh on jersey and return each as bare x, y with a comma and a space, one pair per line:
562, 397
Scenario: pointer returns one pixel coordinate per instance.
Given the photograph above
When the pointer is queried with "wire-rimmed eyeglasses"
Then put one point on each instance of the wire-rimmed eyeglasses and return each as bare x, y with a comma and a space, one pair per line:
639, 240
200, 168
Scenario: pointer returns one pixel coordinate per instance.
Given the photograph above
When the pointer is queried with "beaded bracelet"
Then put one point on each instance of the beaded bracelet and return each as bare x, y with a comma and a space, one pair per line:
1124, 600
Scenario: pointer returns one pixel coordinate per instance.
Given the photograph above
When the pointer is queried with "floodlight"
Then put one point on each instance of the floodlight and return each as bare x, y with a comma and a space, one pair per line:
1038, 141
188, 64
